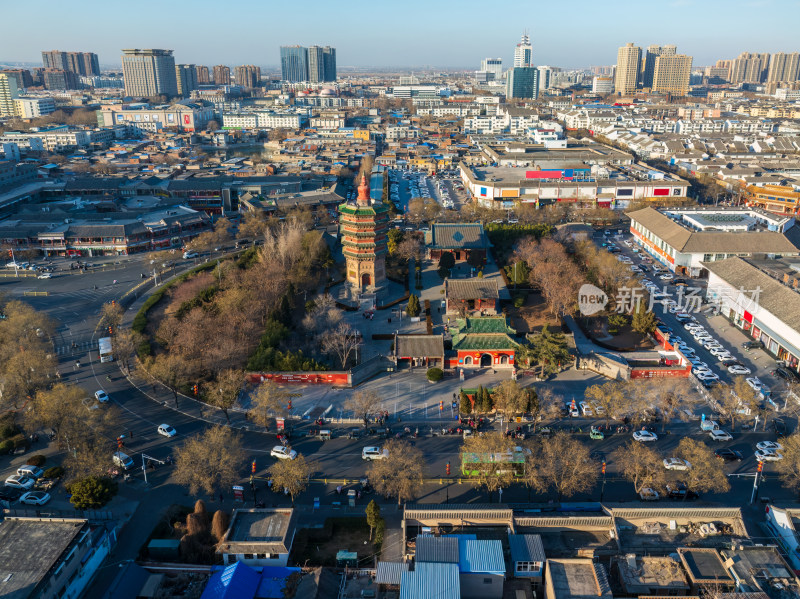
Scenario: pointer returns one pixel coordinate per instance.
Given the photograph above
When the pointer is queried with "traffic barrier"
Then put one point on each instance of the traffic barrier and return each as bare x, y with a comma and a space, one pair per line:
43, 293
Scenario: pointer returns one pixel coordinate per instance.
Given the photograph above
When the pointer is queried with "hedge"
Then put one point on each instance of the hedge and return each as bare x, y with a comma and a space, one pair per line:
435, 374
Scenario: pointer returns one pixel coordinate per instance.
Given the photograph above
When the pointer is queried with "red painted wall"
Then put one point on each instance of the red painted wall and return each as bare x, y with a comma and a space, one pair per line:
303, 378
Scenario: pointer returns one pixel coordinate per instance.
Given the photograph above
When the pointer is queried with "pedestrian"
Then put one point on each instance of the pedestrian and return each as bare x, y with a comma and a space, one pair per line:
221, 498
130, 434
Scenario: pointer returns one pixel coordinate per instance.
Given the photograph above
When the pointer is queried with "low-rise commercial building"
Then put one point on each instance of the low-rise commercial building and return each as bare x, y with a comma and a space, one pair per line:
45, 558
685, 240
188, 115
762, 299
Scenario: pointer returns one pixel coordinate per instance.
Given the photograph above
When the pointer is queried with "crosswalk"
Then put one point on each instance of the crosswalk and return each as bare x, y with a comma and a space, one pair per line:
78, 347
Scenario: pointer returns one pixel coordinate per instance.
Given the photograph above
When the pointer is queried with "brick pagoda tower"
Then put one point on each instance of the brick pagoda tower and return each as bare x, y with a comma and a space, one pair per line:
363, 226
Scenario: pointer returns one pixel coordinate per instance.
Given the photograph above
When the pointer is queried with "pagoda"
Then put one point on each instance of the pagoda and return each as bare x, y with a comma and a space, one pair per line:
363, 227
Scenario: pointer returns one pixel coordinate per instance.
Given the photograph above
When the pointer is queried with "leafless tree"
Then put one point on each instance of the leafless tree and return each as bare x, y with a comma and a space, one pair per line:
342, 342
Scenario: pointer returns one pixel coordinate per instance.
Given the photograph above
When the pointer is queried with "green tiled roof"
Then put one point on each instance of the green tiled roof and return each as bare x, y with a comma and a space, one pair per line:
355, 209
487, 332
484, 324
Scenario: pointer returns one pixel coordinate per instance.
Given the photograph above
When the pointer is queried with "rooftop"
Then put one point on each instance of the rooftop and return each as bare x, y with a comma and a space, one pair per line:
29, 548
704, 566
577, 579
266, 530
650, 574
417, 346
466, 289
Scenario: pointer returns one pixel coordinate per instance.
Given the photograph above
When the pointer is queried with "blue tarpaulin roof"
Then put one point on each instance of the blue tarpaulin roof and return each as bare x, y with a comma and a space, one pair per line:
273, 581
237, 581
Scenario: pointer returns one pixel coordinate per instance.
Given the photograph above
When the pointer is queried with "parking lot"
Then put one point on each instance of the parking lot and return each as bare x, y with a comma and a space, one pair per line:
718, 350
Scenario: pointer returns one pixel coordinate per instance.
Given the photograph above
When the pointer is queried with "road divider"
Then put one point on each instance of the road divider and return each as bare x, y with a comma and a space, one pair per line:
36, 293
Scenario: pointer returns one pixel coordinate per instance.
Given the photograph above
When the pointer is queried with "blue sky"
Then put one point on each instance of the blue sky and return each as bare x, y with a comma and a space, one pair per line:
457, 33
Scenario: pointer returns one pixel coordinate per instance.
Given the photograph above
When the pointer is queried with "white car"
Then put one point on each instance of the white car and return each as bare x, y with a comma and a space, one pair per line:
676, 464
101, 396
720, 435
20, 482
644, 436
190, 254
738, 369
283, 453
769, 446
765, 455
755, 383
586, 409
374, 453
166, 430
45, 275
35, 498
666, 277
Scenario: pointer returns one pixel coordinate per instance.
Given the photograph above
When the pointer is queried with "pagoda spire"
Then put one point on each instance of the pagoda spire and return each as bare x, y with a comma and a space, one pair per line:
363, 191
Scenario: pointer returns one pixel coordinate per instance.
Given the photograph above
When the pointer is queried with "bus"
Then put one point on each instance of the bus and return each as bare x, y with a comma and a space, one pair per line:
104, 345
475, 464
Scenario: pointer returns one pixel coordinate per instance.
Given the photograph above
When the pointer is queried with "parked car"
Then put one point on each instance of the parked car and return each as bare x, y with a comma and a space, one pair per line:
676, 464
729, 455
769, 446
648, 494
780, 427
30, 471
35, 498
752, 345
720, 435
680, 491
101, 396
766, 455
374, 453
738, 369
283, 453
20, 482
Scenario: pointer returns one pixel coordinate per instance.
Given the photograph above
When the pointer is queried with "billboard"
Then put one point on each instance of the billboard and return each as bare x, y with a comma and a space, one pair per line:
661, 191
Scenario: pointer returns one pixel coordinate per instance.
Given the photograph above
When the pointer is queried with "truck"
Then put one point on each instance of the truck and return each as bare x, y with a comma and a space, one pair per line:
104, 345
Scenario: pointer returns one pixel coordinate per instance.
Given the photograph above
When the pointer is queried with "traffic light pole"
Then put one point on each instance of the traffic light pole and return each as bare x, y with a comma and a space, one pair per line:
756, 481
603, 484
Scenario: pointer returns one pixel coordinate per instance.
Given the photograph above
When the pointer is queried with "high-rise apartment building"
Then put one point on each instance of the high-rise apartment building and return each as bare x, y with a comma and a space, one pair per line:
316, 64
294, 63
8, 93
649, 62
626, 78
186, 78
60, 79
784, 67
23, 77
493, 65
329, 59
80, 63
222, 75
149, 72
545, 77
672, 74
522, 82
203, 75
247, 76
523, 52
749, 67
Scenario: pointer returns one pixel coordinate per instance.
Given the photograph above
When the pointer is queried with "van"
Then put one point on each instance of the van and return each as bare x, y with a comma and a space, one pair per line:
122, 460
31, 471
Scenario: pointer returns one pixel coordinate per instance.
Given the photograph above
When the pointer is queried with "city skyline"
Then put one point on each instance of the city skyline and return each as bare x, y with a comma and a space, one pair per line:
445, 38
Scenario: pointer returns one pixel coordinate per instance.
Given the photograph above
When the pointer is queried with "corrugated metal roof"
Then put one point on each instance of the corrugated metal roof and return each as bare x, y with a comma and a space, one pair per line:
390, 572
437, 549
482, 556
526, 548
431, 581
